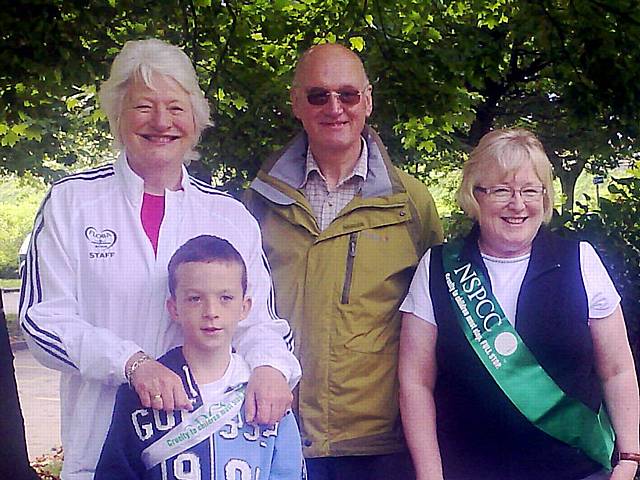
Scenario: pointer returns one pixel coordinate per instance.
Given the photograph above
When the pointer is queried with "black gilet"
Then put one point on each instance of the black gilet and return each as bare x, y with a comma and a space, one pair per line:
482, 436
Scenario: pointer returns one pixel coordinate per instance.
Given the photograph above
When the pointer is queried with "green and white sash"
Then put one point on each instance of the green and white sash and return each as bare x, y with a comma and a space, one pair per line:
514, 368
195, 427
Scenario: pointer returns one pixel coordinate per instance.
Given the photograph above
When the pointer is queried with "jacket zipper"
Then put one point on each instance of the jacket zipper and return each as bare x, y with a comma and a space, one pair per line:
351, 257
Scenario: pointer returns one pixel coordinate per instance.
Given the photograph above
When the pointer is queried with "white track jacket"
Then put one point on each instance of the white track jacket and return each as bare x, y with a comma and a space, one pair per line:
94, 292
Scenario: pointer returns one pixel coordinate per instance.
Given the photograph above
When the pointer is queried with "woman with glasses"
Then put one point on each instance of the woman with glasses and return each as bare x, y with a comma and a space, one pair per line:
514, 360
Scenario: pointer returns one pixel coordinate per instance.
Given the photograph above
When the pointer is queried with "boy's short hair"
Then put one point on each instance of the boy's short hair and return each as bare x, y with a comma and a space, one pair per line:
205, 249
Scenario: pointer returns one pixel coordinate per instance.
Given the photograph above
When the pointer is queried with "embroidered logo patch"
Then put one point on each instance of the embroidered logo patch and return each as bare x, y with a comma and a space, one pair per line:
100, 242
104, 239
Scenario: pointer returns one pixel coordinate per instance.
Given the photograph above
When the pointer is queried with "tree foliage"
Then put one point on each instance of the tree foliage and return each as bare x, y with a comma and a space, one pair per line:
615, 232
444, 73
19, 201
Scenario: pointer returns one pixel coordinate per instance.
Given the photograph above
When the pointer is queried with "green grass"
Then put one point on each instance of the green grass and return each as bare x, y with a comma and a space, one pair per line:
9, 283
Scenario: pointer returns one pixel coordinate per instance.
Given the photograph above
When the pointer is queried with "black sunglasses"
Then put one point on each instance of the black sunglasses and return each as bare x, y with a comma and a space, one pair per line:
320, 96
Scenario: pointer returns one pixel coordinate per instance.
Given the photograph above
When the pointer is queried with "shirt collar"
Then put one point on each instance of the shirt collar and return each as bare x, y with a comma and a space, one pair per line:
360, 168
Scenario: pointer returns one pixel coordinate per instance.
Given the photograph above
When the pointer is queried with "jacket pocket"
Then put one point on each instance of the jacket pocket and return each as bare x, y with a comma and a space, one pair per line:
348, 276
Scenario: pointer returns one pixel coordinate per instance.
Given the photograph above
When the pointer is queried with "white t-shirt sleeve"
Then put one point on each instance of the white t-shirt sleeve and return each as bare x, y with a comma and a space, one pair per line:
418, 299
602, 295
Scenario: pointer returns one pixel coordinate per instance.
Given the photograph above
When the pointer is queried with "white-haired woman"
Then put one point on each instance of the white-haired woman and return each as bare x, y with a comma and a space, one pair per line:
93, 299
513, 346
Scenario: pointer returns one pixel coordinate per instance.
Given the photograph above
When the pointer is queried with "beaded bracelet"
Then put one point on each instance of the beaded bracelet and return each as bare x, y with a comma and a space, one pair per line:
135, 365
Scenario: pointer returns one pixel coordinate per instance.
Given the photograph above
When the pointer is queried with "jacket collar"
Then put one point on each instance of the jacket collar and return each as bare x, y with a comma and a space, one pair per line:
134, 184
289, 168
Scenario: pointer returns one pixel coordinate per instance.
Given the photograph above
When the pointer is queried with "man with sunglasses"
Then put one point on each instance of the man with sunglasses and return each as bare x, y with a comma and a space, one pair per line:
343, 231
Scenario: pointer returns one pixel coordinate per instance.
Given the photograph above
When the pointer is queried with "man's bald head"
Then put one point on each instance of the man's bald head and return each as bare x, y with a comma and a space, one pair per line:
327, 54
334, 124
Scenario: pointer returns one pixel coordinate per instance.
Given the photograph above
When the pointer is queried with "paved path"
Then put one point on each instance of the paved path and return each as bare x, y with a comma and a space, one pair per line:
10, 301
38, 388
39, 392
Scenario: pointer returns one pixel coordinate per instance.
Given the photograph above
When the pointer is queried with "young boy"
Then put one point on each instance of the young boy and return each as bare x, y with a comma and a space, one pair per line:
207, 283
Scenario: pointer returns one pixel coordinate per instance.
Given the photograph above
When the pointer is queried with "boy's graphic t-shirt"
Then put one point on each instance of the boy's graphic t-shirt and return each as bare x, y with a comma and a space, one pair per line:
234, 451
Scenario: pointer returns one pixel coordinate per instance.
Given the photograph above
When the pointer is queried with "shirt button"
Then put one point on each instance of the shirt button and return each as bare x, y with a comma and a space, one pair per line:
402, 213
308, 443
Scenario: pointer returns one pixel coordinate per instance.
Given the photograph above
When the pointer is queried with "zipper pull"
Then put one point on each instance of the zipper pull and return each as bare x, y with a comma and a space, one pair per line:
352, 246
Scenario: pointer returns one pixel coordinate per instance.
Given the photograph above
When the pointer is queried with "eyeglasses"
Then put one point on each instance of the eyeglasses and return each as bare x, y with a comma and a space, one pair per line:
346, 96
504, 193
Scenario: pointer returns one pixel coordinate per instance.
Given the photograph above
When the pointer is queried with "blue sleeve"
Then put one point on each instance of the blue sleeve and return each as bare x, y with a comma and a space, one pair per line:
120, 457
287, 462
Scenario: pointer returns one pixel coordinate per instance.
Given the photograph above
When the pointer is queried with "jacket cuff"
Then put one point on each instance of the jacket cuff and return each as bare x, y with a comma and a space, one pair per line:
289, 367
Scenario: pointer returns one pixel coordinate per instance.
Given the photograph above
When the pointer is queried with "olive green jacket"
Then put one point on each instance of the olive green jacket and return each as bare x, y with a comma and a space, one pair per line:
340, 289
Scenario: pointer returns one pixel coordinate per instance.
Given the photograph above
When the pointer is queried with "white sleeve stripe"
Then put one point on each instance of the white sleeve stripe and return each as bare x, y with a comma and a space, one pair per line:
48, 347
206, 188
29, 267
33, 292
30, 323
288, 338
291, 344
271, 302
31, 264
93, 174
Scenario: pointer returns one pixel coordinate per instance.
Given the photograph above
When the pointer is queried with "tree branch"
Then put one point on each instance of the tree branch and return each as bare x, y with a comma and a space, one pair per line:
195, 50
223, 53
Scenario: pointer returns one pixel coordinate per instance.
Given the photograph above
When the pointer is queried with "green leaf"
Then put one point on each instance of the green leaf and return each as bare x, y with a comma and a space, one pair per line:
357, 43
72, 102
33, 133
20, 128
9, 140
240, 103
427, 145
280, 4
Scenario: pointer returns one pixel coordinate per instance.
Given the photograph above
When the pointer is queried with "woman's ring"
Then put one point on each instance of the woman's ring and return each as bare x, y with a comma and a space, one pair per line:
157, 396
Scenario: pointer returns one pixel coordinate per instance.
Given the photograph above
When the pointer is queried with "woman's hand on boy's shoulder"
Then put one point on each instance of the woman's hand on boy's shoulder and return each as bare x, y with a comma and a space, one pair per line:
159, 388
268, 396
